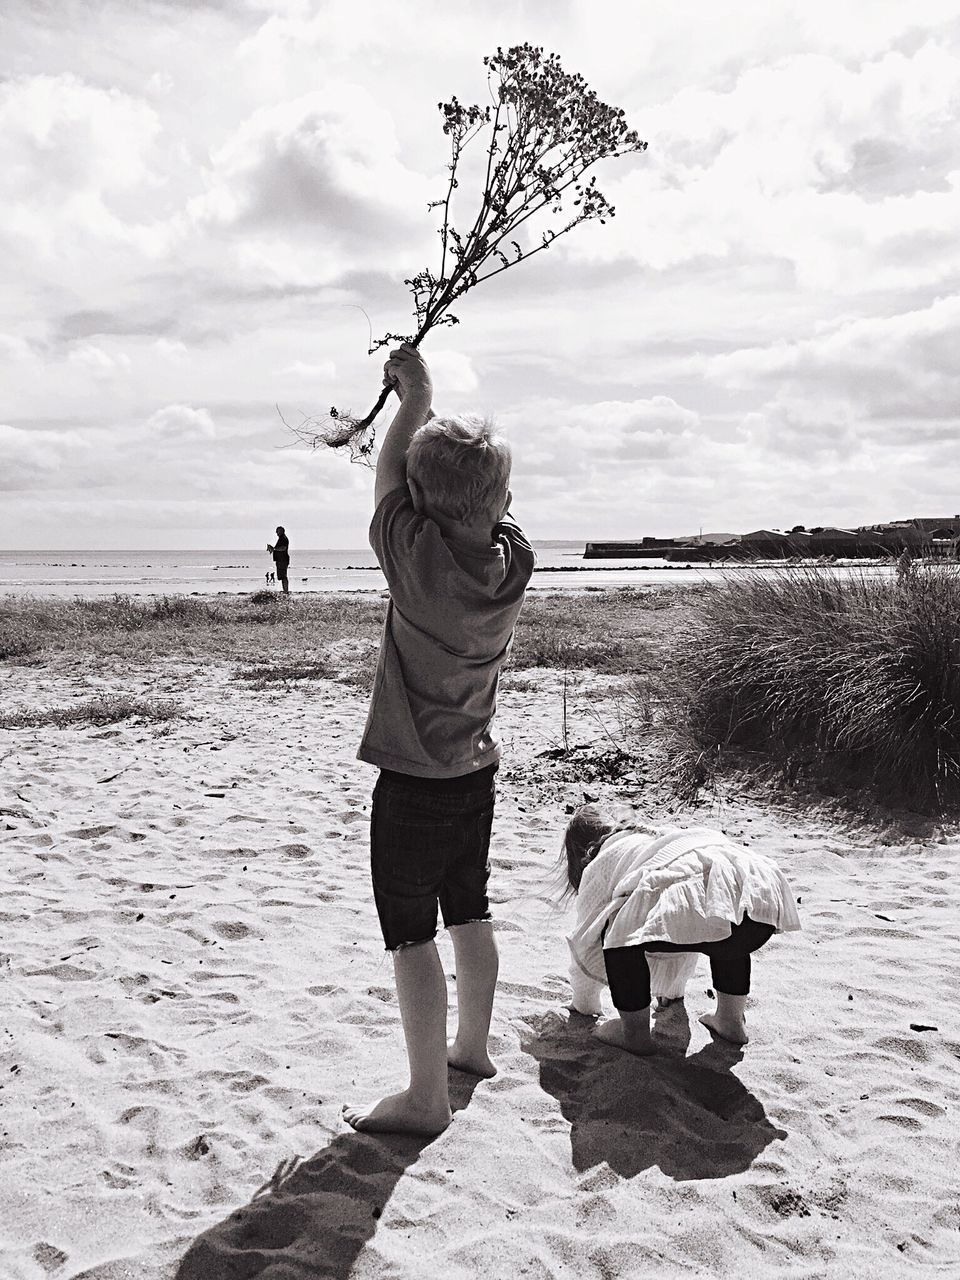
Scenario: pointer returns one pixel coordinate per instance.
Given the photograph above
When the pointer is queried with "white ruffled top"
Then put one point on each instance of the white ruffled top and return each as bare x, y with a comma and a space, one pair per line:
685, 886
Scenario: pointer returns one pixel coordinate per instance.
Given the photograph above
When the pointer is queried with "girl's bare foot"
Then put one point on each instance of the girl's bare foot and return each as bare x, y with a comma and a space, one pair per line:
634, 1039
400, 1113
734, 1030
665, 1002
728, 1020
476, 1064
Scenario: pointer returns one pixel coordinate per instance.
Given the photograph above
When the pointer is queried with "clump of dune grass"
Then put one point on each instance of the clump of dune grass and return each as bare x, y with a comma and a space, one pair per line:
262, 675
17, 640
613, 632
139, 629
108, 709
851, 680
616, 632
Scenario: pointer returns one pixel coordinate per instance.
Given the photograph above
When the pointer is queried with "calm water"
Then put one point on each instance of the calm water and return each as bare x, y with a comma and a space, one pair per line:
99, 573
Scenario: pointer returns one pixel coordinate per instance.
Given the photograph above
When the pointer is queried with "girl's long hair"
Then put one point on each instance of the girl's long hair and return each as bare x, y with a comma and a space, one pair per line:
585, 833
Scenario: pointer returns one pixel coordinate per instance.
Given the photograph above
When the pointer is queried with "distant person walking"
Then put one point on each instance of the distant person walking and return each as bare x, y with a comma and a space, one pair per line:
281, 556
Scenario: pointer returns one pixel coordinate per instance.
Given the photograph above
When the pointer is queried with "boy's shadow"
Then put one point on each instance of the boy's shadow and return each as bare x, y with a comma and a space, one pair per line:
689, 1116
312, 1218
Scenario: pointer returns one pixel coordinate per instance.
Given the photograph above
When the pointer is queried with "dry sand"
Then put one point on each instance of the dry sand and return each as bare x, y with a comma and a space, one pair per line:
193, 983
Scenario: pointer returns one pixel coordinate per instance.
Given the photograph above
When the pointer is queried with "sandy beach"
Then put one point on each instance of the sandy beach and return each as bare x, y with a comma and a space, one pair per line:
195, 984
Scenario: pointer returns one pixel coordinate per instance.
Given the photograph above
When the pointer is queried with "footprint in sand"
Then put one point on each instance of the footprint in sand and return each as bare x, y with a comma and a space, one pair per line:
910, 1123
63, 972
296, 850
922, 1105
231, 929
902, 1047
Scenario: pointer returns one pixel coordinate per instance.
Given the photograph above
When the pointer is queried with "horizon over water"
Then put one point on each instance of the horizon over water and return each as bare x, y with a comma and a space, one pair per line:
85, 572
201, 572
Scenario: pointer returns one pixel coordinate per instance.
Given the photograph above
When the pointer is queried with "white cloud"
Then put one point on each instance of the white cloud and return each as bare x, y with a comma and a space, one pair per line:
179, 420
603, 440
826, 165
32, 458
322, 371
100, 363
453, 373
59, 135
13, 347
175, 351
321, 169
889, 367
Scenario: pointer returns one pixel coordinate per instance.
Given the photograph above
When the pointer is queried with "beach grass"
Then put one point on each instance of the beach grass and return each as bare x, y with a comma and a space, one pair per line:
265, 674
849, 683
103, 710
853, 682
140, 629
610, 631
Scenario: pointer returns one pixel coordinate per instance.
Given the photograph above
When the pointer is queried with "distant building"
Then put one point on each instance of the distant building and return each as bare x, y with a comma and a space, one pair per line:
937, 526
937, 536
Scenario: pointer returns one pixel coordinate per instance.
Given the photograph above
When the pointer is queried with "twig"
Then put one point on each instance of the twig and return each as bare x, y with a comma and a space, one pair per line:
555, 128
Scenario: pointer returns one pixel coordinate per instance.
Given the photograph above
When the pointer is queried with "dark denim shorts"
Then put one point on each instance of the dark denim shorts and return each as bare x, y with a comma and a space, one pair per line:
430, 845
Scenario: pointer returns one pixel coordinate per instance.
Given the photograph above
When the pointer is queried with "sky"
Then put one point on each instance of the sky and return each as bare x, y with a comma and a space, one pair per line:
200, 199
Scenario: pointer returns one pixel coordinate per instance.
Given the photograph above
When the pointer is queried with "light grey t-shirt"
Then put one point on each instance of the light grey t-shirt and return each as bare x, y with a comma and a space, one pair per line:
448, 629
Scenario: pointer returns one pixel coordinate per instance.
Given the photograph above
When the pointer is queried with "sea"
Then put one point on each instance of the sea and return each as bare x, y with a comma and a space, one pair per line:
560, 566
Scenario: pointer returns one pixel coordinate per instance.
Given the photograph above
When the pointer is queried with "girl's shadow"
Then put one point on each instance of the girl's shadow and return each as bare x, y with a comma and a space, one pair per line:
689, 1116
312, 1218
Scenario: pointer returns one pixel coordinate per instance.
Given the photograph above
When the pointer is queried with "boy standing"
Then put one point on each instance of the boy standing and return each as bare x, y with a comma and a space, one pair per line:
457, 567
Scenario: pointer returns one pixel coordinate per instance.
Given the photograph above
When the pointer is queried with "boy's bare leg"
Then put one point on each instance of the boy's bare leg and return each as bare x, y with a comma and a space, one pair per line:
475, 951
728, 1021
424, 1106
630, 1031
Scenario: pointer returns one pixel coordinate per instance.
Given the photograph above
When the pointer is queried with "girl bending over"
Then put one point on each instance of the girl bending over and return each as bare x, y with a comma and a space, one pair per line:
685, 891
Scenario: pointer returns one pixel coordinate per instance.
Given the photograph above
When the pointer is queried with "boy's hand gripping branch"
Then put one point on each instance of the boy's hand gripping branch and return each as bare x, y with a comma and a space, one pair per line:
405, 372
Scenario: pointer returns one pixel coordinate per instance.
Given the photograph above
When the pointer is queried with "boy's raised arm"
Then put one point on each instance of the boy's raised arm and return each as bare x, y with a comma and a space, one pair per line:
407, 371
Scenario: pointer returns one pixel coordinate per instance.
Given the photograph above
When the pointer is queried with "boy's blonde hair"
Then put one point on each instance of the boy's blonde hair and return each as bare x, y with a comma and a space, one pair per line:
461, 464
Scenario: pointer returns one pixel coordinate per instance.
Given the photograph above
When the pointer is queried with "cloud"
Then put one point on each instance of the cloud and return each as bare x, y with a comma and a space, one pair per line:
100, 363
75, 165
591, 441
176, 421
322, 371
96, 323
320, 171
886, 368
803, 430
453, 372
60, 136
814, 160
32, 459
13, 347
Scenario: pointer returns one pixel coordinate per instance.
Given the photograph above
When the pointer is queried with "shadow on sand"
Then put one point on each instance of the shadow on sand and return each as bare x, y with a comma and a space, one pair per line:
689, 1116
313, 1217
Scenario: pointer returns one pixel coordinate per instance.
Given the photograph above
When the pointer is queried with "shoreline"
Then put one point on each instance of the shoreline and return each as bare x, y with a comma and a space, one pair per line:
546, 577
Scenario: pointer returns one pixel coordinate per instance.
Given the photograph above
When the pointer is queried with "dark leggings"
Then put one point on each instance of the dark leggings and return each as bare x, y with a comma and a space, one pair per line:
629, 974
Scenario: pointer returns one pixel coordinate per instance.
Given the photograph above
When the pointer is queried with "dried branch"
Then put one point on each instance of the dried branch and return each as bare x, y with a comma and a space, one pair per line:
547, 128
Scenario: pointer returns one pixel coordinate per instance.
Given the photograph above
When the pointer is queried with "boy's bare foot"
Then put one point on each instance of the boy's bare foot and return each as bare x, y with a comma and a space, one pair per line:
632, 1039
734, 1030
399, 1113
477, 1064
